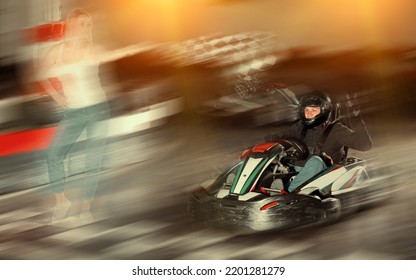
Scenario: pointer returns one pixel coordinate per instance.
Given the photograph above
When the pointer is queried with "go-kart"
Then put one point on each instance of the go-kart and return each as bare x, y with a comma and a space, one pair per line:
253, 193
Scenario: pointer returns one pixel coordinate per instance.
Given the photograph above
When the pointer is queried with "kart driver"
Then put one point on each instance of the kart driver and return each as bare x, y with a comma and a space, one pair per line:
325, 139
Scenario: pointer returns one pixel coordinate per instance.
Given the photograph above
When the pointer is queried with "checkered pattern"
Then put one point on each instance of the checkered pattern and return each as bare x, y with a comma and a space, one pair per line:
245, 53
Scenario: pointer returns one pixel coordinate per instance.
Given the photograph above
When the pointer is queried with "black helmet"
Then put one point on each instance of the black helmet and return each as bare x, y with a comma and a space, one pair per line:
315, 99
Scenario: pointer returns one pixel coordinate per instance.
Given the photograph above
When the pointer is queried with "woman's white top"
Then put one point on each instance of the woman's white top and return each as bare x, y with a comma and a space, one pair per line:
80, 81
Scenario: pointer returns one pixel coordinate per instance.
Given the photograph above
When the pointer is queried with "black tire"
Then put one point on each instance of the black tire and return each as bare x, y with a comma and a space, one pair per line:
332, 207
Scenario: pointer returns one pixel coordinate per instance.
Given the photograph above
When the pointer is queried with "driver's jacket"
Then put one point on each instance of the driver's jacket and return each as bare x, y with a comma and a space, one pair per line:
357, 138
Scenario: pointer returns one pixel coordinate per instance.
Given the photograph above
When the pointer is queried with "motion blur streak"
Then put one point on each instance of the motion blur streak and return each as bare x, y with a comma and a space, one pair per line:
163, 141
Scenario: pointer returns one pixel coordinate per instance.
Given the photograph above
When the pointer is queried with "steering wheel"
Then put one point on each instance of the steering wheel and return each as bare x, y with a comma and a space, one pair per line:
295, 149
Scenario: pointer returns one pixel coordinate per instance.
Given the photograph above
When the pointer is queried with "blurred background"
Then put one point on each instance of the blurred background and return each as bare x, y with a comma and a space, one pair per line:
213, 77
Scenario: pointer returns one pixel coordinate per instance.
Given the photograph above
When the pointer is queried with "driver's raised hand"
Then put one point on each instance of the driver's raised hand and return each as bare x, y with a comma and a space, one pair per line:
353, 105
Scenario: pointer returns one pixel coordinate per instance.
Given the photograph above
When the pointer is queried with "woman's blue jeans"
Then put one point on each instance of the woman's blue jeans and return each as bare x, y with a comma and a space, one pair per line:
72, 124
313, 166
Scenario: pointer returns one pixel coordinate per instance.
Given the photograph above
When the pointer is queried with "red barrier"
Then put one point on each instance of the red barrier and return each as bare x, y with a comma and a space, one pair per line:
49, 32
26, 141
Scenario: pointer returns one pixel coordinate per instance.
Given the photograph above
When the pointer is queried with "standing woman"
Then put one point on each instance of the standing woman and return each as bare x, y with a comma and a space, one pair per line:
75, 62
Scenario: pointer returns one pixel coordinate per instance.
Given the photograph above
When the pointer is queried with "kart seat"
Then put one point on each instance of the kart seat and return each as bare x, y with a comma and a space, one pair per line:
268, 179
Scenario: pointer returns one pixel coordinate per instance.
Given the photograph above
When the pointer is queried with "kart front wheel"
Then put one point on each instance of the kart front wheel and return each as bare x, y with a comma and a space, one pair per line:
332, 207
